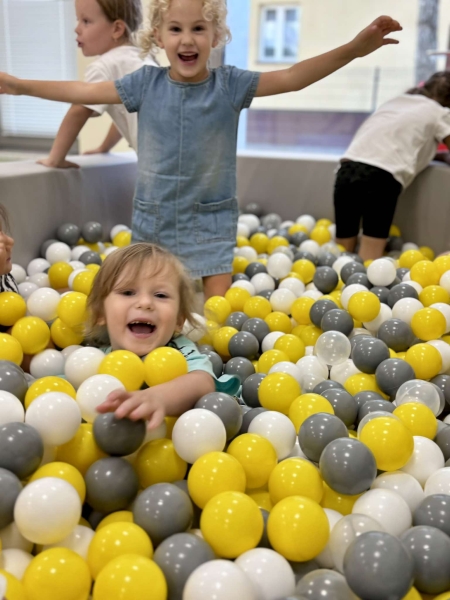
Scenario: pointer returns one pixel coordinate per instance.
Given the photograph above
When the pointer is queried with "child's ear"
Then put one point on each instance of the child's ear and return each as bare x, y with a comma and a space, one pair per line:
215, 41
119, 29
157, 35
101, 321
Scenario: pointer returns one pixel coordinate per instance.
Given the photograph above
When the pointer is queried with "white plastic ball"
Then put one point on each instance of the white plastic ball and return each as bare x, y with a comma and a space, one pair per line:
314, 294
381, 272
279, 265
43, 303
403, 484
348, 292
12, 538
341, 373
40, 279
77, 264
445, 281
73, 275
77, 251
251, 221
295, 285
272, 233
415, 285
288, 368
332, 230
286, 224
15, 561
340, 262
388, 508
196, 333
282, 300
444, 350
219, 579
384, 315
247, 252
82, 364
325, 558
262, 281
26, 288
269, 572
309, 351
56, 416
11, 408
243, 230
19, 273
47, 510
93, 391
117, 229
307, 221
58, 252
310, 246
438, 482
269, 340
78, 540
66, 352
110, 249
276, 428
48, 362
427, 458
406, 308
37, 265
445, 310
245, 285
197, 432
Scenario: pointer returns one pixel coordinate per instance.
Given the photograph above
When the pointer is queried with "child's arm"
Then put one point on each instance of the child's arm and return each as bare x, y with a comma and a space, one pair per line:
75, 92
112, 138
309, 71
71, 126
168, 399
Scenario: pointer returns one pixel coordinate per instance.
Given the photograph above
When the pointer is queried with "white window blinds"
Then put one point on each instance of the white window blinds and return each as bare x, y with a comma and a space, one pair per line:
37, 41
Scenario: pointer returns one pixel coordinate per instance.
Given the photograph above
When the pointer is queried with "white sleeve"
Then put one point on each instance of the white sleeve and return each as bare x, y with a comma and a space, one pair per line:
96, 73
443, 125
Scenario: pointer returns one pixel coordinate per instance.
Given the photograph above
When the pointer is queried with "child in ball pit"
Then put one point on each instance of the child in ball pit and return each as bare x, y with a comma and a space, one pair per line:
188, 120
141, 298
7, 281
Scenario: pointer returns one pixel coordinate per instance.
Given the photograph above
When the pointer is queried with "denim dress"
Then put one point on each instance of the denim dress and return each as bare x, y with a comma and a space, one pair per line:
185, 197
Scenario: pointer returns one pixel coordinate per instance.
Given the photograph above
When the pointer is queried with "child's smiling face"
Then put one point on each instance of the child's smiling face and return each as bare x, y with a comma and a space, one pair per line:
6, 244
187, 38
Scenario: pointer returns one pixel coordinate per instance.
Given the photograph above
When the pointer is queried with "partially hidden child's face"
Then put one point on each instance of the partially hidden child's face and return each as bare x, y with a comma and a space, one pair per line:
187, 39
6, 244
94, 31
143, 313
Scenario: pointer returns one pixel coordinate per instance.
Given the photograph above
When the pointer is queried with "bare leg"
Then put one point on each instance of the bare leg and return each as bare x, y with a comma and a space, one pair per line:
348, 243
216, 285
371, 248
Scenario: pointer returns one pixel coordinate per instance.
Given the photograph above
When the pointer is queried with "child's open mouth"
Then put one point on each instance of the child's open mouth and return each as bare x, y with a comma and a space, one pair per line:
188, 58
141, 328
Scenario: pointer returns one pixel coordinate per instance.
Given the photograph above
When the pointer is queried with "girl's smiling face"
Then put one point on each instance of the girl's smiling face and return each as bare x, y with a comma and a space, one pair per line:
188, 38
6, 244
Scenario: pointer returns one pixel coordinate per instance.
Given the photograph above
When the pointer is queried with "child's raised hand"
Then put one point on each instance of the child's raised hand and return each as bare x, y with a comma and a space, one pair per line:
373, 37
64, 164
144, 404
9, 84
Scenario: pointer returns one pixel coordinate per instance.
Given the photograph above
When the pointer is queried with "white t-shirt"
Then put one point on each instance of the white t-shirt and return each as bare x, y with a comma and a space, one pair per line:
112, 65
401, 137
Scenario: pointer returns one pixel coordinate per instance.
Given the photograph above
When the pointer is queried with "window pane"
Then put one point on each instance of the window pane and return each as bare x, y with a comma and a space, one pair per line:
290, 38
269, 34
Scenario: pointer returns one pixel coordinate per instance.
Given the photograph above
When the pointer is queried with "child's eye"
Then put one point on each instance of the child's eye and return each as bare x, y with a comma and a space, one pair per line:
125, 292
161, 295
175, 29
85, 21
199, 28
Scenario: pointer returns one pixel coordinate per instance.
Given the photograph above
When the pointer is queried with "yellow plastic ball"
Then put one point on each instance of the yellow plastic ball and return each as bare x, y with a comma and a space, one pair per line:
277, 391
300, 310
92, 246
231, 523
432, 294
297, 331
295, 477
120, 516
361, 382
336, 501
442, 264
82, 450
157, 462
48, 384
126, 366
425, 273
276, 242
214, 473
364, 306
306, 405
57, 573
304, 268
83, 282
10, 349
221, 339
428, 324
211, 327
242, 241
72, 309
257, 307
310, 334
162, 365
389, 440
217, 309
292, 346
297, 228
409, 258
130, 577
14, 587
444, 596
392, 354
401, 355
427, 252
121, 239
240, 263
270, 358
298, 528
320, 234
93, 267
32, 333
12, 308
259, 241
418, 418
425, 360
324, 223
278, 321
257, 457
394, 231
117, 539
64, 336
237, 297
62, 470
262, 499
170, 423
58, 275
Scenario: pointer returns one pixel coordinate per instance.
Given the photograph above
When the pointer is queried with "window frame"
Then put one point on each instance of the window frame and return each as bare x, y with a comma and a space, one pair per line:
280, 20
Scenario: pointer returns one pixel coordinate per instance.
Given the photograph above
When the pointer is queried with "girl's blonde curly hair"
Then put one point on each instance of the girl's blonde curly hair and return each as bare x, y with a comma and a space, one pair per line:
214, 11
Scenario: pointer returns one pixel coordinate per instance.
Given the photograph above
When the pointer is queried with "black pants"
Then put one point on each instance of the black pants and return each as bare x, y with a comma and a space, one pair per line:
368, 193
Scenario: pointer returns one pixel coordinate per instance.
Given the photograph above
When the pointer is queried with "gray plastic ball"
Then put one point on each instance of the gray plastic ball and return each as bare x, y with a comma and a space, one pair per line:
304, 255
21, 449
111, 484
178, 556
240, 277
391, 374
69, 233
12, 379
236, 320
348, 466
118, 437
267, 294
360, 279
356, 338
243, 344
254, 268
248, 418
350, 269
363, 397
45, 245
326, 259
443, 383
434, 511
394, 283
216, 361
328, 384
381, 292
182, 484
368, 353
399, 291
239, 366
163, 510
258, 327
318, 310
226, 408
373, 406
325, 279
442, 439
337, 319
90, 258
396, 334
253, 208
205, 348
401, 272
299, 237
250, 389
301, 569
377, 566
317, 431
95, 517
394, 244
272, 221
92, 232
343, 403
324, 583
10, 488
430, 549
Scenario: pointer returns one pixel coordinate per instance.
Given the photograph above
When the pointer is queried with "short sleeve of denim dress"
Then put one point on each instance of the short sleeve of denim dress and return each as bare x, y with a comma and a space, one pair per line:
185, 196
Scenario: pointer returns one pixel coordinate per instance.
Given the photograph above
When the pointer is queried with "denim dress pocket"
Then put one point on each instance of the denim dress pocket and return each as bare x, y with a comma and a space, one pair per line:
215, 221
145, 221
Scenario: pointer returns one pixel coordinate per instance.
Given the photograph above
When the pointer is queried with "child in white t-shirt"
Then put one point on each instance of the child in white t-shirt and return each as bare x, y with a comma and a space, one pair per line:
391, 147
105, 28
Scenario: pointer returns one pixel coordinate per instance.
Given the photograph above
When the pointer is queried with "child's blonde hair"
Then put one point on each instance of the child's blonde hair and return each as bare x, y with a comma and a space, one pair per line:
128, 11
131, 260
213, 10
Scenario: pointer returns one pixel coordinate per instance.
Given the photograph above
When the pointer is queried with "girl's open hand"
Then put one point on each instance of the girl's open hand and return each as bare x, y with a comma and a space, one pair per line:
144, 404
9, 84
373, 37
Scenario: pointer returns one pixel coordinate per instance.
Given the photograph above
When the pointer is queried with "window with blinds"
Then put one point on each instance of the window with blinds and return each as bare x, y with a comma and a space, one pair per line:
37, 41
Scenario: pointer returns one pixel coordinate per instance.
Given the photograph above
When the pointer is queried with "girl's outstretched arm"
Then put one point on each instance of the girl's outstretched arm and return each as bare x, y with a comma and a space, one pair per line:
309, 71
73, 92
